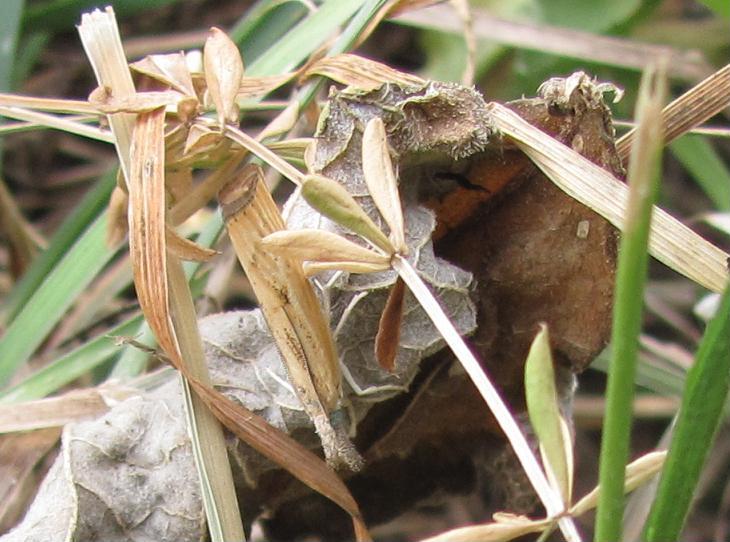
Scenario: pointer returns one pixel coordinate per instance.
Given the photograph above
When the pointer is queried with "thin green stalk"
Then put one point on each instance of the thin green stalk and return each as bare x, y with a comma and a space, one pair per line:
627, 314
700, 415
549, 497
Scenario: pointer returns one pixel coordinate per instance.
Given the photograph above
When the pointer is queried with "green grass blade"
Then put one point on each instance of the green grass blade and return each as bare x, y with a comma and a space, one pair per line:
721, 7
627, 315
10, 15
543, 407
709, 171
133, 361
29, 52
264, 24
85, 212
62, 15
343, 44
304, 38
699, 416
53, 297
67, 368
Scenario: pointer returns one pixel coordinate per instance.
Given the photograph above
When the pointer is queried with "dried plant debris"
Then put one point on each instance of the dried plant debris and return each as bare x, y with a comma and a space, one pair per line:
126, 476
516, 252
535, 254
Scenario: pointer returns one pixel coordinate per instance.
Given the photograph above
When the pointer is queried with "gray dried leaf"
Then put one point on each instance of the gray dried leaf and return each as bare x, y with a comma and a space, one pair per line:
245, 364
128, 476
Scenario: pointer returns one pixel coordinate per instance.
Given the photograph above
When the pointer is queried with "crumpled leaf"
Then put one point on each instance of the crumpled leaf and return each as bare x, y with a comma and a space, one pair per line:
128, 476
144, 438
357, 301
245, 363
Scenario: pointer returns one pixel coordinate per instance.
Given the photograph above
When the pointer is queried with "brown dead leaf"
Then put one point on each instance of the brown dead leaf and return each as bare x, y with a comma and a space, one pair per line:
388, 337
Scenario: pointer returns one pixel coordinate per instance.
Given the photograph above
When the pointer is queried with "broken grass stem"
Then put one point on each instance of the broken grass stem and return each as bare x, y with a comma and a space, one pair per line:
550, 499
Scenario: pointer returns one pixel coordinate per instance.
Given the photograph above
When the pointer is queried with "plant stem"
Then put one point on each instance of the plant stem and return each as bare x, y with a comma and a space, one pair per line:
550, 498
627, 314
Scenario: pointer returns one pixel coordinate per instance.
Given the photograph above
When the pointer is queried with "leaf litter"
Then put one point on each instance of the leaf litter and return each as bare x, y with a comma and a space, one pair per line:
422, 129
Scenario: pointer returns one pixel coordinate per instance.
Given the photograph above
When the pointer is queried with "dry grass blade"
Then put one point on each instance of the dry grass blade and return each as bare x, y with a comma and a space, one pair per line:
169, 311
57, 122
136, 103
692, 108
147, 232
26, 126
283, 123
263, 152
206, 189
291, 309
637, 472
185, 249
398, 7
562, 41
254, 87
507, 527
100, 37
48, 104
380, 179
58, 411
462, 9
210, 453
670, 241
360, 72
284, 451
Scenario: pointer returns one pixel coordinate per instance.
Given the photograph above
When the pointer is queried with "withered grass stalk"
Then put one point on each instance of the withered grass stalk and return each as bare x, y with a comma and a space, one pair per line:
291, 308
